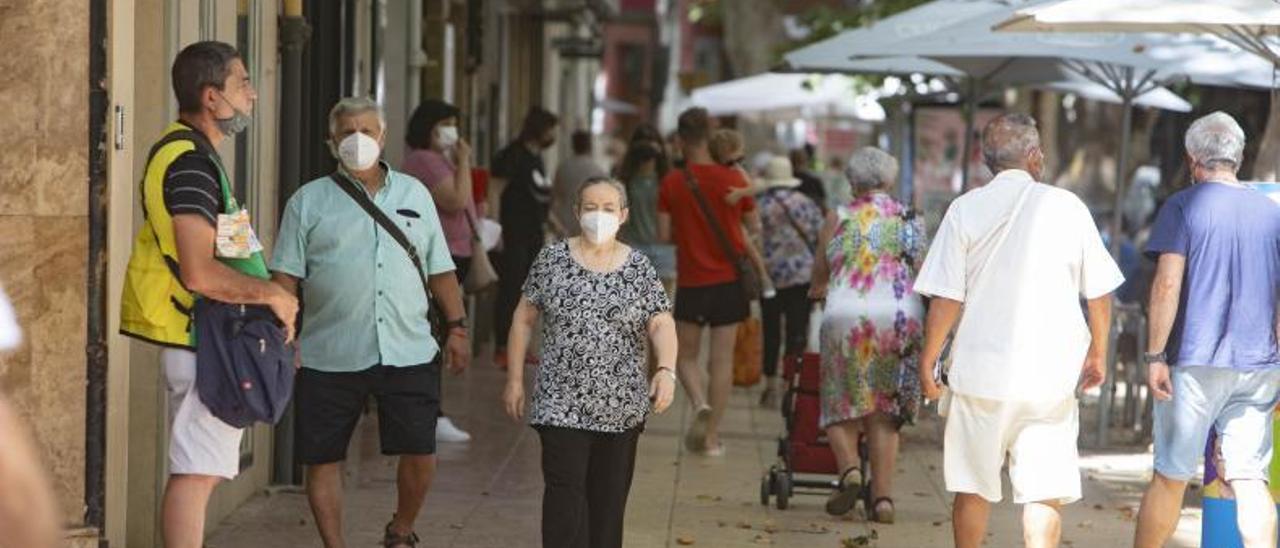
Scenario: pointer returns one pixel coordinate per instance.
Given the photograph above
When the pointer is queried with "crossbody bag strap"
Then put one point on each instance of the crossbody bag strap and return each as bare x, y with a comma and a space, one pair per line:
982, 269
1004, 233
796, 226
348, 186
709, 215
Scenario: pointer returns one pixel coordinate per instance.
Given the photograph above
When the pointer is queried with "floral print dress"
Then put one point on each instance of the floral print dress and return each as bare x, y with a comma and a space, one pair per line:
872, 323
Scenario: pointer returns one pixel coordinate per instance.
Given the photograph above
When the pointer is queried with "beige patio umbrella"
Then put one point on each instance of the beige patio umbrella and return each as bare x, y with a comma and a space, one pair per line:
1253, 25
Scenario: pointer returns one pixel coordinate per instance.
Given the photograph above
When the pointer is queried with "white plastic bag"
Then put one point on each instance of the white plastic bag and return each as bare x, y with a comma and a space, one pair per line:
815, 329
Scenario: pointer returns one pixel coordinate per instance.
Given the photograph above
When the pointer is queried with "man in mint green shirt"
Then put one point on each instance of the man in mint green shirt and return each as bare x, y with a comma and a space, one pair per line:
366, 319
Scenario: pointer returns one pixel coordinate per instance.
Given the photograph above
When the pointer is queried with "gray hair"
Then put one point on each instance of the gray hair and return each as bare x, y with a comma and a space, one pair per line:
601, 180
1215, 140
1008, 140
870, 168
352, 106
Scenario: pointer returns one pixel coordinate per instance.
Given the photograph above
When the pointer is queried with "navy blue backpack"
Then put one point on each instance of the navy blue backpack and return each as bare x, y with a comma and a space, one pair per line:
244, 371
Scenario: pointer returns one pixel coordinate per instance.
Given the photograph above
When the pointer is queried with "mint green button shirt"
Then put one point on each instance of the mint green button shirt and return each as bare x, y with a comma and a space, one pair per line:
363, 304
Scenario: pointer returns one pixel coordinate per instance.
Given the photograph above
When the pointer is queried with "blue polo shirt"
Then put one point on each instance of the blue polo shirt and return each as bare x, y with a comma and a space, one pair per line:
363, 304
1230, 237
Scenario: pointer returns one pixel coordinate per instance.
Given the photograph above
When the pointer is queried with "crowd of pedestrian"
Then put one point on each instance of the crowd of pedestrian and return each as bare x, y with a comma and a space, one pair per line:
1004, 317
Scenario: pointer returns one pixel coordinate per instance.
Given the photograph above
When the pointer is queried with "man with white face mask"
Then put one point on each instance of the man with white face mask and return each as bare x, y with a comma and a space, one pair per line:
366, 315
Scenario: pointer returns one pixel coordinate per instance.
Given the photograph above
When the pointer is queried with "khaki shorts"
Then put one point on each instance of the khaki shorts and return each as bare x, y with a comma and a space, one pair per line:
1038, 439
201, 444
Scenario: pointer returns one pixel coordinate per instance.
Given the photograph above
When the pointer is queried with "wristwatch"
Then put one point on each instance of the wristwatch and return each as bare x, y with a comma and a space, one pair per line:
455, 324
1153, 357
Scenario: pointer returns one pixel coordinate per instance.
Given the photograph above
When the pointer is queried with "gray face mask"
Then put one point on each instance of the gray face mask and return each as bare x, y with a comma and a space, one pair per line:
238, 121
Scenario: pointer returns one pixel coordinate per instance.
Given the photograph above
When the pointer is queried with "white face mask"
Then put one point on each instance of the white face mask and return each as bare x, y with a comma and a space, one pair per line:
358, 151
447, 136
599, 226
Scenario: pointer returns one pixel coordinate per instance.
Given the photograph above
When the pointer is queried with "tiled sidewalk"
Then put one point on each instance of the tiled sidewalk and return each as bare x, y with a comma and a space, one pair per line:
488, 492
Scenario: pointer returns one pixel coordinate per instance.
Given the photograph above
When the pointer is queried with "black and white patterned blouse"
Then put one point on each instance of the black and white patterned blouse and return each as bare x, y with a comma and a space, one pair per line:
593, 369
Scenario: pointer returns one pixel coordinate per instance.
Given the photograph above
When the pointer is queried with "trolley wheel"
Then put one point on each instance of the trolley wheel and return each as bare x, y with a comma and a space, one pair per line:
766, 487
783, 489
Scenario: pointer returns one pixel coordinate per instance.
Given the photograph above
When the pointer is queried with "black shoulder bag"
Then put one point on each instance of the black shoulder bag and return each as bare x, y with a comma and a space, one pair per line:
362, 199
747, 276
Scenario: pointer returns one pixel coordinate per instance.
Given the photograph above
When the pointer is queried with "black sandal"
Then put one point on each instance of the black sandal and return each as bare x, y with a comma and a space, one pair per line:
846, 496
886, 516
392, 540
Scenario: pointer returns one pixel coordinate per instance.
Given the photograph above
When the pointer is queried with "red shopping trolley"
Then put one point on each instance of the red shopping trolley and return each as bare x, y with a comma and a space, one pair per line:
803, 447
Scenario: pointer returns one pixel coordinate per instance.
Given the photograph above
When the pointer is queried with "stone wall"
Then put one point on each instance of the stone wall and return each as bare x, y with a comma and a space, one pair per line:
44, 226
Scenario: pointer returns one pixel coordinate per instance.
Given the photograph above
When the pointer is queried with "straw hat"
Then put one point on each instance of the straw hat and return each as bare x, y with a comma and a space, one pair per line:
778, 173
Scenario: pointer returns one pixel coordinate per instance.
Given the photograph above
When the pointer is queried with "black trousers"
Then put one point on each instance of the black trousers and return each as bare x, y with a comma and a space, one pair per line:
518, 254
792, 305
587, 476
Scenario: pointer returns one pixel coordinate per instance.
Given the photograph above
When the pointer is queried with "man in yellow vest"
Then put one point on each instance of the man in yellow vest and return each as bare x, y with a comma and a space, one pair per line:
182, 251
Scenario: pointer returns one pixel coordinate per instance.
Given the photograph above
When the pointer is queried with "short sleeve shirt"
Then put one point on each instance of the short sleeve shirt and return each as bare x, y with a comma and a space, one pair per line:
191, 187
593, 372
1230, 237
434, 169
363, 303
1023, 335
526, 197
700, 260
791, 221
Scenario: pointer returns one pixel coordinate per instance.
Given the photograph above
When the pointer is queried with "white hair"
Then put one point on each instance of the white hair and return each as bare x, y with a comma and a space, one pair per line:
352, 106
1216, 139
870, 168
1008, 140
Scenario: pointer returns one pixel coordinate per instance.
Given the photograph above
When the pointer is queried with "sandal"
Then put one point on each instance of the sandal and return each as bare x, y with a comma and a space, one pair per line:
846, 497
882, 516
391, 539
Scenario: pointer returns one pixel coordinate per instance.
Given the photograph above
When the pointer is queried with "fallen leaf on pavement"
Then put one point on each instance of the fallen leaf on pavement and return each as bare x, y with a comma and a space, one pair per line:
684, 541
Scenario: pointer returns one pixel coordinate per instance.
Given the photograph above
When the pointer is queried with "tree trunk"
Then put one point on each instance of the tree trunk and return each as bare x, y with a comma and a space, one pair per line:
1267, 165
752, 31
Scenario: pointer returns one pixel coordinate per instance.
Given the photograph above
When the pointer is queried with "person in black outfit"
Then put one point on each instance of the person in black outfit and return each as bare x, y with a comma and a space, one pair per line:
520, 179
810, 183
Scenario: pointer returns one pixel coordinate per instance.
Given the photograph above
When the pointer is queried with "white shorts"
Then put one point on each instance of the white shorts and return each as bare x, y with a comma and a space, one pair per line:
200, 444
1039, 440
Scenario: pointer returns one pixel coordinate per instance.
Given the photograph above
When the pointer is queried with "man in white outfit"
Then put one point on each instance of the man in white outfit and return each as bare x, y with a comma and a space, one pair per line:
1015, 256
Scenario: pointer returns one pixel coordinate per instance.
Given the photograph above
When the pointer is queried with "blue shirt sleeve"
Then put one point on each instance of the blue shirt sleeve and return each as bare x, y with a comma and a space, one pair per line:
1169, 234
290, 253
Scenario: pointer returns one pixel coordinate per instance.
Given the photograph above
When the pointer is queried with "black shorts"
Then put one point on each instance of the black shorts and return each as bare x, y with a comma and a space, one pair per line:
328, 406
713, 305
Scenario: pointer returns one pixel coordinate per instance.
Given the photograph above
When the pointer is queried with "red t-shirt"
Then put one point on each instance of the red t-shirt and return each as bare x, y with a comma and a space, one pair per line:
699, 259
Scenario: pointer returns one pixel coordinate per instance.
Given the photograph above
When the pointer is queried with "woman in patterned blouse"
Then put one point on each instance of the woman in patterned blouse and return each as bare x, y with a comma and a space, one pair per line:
599, 301
871, 332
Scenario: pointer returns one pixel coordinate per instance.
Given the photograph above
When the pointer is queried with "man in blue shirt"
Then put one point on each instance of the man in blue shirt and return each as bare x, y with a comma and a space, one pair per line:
1212, 354
367, 331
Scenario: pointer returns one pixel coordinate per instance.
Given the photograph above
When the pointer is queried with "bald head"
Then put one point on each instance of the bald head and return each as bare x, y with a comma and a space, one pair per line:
1011, 141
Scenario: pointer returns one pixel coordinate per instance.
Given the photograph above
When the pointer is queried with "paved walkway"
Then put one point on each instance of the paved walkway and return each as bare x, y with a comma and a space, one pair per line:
487, 493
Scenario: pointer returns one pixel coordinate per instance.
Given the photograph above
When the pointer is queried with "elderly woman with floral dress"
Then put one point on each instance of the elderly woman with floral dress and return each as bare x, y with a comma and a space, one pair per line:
600, 301
871, 329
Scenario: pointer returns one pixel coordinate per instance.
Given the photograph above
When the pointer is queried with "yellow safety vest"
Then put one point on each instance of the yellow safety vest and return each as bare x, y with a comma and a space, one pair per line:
155, 306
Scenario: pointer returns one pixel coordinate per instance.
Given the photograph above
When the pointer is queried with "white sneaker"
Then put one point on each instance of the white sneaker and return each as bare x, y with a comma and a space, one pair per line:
447, 432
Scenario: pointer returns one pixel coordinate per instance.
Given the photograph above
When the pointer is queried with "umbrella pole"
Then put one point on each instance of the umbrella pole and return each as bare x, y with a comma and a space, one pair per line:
1105, 399
970, 105
1122, 168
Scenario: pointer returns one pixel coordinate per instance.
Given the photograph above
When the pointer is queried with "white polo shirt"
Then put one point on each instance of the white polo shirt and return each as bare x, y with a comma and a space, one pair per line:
1023, 335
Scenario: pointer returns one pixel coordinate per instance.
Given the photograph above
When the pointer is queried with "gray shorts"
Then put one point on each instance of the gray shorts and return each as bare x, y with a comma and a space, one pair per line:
1238, 404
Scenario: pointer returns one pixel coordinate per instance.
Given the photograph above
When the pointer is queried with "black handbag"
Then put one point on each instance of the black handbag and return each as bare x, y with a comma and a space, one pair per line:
748, 278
